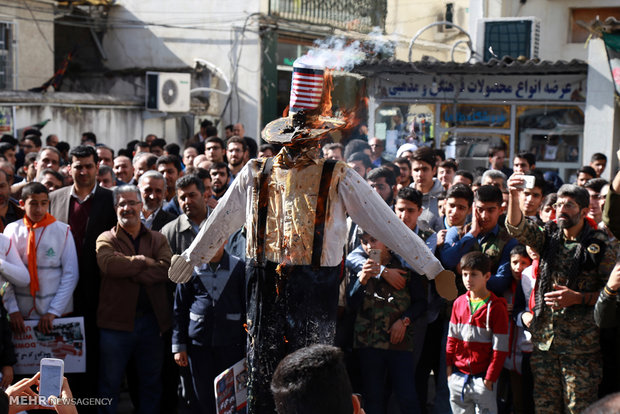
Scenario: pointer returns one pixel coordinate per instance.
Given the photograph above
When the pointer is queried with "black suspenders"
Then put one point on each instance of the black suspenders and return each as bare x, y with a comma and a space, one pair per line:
321, 212
263, 205
320, 216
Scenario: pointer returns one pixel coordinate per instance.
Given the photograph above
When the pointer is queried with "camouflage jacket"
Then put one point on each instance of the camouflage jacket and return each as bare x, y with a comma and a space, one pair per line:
570, 330
379, 305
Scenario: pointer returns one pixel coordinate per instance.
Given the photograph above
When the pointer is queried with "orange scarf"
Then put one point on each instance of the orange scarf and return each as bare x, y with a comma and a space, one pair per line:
32, 249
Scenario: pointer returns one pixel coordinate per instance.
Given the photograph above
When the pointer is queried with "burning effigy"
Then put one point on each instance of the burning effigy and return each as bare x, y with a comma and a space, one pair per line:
294, 207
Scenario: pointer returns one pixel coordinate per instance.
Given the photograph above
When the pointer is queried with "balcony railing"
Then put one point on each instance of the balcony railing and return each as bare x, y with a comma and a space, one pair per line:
358, 15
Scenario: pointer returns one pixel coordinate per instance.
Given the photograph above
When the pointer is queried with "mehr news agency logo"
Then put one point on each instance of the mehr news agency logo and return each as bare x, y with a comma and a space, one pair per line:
33, 400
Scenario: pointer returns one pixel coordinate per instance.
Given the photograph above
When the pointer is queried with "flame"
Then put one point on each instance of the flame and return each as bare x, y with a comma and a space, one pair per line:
325, 105
355, 117
322, 116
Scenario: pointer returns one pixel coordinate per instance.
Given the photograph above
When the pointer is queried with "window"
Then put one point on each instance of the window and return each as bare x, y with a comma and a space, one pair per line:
587, 15
401, 123
6, 55
509, 38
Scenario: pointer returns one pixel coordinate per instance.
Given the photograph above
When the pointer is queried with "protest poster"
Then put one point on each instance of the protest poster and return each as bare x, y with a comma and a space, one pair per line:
231, 388
66, 341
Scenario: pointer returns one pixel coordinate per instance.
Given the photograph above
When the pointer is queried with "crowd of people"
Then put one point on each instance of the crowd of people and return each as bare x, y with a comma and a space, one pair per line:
90, 231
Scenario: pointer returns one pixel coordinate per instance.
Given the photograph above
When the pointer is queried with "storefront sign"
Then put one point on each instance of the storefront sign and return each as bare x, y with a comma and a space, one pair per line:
472, 115
478, 87
6, 120
66, 342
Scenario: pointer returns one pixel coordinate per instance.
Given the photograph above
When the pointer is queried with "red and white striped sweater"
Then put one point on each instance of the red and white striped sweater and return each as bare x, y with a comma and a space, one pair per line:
478, 343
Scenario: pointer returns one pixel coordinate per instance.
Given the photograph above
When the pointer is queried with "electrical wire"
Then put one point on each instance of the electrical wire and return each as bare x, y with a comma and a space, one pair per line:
235, 65
36, 22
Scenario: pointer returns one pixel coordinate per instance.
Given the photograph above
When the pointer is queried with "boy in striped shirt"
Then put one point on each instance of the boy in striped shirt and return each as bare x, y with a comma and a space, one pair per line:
477, 340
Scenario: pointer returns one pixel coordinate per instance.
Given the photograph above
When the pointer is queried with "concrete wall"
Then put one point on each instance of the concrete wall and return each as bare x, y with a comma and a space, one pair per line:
113, 126
601, 132
555, 24
406, 17
174, 33
34, 40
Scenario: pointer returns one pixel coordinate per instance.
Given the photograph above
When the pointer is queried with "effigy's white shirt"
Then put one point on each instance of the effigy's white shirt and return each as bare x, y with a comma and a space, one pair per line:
290, 224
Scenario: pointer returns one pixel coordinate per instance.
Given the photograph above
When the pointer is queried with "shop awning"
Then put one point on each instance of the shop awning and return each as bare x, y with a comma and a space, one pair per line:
505, 66
86, 2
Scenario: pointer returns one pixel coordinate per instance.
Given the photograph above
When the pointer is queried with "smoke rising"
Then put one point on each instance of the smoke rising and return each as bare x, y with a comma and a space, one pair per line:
339, 53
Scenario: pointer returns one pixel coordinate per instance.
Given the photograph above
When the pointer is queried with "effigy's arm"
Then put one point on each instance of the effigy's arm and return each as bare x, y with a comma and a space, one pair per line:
370, 212
228, 217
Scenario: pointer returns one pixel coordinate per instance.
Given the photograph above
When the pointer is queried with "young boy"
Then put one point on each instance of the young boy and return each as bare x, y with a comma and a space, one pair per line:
383, 337
512, 380
47, 249
477, 340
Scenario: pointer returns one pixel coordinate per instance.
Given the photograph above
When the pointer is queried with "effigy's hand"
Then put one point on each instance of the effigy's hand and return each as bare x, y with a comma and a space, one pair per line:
180, 270
445, 283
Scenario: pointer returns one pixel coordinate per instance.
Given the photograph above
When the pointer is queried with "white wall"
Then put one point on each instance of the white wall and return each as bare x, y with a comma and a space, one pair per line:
555, 24
34, 56
406, 17
203, 29
113, 126
601, 132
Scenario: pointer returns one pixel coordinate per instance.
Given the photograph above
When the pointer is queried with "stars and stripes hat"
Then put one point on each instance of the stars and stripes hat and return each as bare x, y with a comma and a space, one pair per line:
307, 88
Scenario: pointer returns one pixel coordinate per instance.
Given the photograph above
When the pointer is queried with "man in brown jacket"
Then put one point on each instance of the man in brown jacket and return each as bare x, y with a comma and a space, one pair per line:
133, 306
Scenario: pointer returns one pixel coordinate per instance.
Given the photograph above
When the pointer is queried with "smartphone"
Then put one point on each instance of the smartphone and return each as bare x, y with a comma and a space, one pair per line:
529, 181
52, 372
375, 255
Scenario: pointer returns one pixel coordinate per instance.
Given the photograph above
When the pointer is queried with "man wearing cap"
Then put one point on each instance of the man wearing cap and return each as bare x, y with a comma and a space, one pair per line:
294, 208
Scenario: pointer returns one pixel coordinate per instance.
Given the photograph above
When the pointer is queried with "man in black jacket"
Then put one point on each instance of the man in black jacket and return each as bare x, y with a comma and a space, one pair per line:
89, 210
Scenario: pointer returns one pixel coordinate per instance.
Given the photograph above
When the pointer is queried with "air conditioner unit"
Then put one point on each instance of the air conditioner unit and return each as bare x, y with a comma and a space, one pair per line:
168, 92
508, 36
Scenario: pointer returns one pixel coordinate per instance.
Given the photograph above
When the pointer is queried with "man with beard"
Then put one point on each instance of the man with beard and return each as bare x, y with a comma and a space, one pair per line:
575, 261
134, 309
152, 189
484, 234
219, 178
235, 153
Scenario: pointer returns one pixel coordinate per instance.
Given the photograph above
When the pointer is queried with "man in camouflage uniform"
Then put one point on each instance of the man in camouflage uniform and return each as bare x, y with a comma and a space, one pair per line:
575, 263
382, 335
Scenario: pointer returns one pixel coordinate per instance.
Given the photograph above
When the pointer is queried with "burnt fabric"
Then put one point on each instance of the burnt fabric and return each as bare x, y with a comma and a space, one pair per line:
285, 313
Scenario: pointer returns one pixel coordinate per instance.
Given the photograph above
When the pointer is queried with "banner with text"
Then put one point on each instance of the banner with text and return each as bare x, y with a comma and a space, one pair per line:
482, 87
66, 341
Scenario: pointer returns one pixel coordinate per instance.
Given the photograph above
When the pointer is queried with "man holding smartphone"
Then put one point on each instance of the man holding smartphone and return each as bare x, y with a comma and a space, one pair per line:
531, 198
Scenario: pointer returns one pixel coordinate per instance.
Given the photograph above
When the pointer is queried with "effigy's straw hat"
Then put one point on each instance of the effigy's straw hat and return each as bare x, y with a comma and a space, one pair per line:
308, 92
